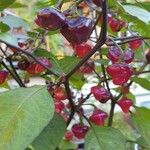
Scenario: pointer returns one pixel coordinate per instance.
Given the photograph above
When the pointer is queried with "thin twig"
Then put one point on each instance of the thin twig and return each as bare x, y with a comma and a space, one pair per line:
17, 77
69, 94
101, 41
30, 55
15, 72
126, 40
11, 73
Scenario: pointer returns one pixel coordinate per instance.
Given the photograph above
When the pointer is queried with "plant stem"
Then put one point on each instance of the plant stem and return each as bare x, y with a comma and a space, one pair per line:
126, 40
70, 117
11, 73
131, 37
17, 78
115, 43
147, 71
105, 77
30, 55
15, 73
92, 129
69, 94
59, 4
83, 100
111, 114
101, 40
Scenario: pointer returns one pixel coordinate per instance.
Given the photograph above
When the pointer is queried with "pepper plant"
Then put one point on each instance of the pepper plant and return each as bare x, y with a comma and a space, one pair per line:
90, 54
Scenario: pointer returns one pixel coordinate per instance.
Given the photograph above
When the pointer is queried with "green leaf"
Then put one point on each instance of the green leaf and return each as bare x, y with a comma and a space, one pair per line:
53, 2
45, 3
18, 5
138, 12
67, 145
103, 61
130, 146
144, 5
4, 27
51, 136
4, 85
105, 138
135, 24
53, 32
141, 141
68, 62
125, 128
55, 62
139, 26
24, 112
139, 54
131, 96
14, 22
32, 35
104, 51
143, 82
111, 3
63, 65
5, 3
10, 39
77, 80
141, 121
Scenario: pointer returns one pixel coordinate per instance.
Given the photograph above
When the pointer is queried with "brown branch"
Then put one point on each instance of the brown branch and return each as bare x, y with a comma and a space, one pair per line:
143, 72
100, 42
83, 101
69, 94
130, 37
13, 72
30, 55
125, 40
59, 4
111, 113
115, 44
